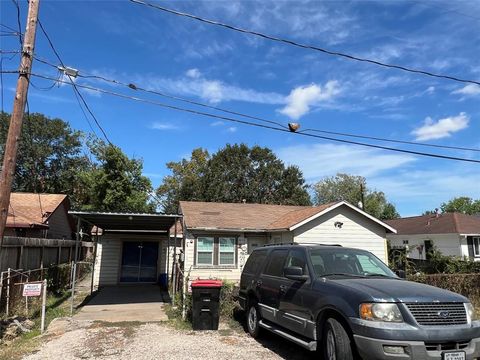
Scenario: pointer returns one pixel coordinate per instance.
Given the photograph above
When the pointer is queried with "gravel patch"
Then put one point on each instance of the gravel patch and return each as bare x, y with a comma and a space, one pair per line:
122, 341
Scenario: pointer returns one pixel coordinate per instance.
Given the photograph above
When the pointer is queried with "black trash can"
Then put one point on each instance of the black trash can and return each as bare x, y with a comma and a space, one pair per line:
206, 304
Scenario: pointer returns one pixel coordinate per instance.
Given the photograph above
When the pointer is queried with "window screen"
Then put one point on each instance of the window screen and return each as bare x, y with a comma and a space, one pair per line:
226, 251
205, 250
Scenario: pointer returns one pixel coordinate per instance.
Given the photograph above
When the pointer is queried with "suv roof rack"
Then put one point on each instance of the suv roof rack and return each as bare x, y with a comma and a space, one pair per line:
280, 244
301, 243
311, 243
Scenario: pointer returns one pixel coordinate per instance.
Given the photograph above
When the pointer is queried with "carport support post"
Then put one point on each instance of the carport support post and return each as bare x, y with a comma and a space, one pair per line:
174, 274
79, 223
94, 259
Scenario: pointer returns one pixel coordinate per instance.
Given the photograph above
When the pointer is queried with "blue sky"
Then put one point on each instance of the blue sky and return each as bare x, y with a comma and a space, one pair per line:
133, 43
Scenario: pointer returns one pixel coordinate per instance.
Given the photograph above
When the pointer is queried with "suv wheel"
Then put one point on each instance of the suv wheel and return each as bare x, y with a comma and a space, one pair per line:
336, 342
253, 318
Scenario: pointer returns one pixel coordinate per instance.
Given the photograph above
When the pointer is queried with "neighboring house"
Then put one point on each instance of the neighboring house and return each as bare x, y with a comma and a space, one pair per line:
39, 216
220, 236
453, 234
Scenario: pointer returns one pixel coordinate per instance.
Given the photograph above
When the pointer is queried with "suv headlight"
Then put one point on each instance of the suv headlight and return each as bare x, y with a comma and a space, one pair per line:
471, 314
380, 312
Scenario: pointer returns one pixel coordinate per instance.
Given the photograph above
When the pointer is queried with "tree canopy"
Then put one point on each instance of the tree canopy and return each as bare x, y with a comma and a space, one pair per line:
49, 156
235, 173
52, 158
349, 188
462, 204
115, 182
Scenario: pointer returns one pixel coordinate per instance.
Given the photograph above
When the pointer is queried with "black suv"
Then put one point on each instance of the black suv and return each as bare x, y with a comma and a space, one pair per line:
346, 303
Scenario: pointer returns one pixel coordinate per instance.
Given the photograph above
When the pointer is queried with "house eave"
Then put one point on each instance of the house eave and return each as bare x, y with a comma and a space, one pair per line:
236, 230
327, 210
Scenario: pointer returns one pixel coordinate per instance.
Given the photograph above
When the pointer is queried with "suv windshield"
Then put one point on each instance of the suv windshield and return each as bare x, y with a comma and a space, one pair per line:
350, 262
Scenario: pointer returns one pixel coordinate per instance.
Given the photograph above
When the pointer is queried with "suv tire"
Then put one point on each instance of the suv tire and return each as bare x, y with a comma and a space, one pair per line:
336, 342
253, 319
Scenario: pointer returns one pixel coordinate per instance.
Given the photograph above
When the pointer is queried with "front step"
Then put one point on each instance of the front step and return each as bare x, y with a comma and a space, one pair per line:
312, 345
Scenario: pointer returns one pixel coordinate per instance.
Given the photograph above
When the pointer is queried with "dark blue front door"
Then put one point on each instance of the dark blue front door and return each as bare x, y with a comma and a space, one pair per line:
139, 261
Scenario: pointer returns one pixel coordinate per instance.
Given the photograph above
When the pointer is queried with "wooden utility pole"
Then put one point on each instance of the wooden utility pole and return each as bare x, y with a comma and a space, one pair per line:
14, 131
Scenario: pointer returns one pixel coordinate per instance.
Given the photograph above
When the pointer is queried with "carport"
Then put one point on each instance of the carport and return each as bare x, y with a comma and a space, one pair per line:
134, 261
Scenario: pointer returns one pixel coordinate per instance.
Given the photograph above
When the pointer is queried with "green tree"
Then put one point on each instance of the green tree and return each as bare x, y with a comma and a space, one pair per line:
349, 188
49, 156
237, 173
115, 182
233, 174
463, 204
185, 181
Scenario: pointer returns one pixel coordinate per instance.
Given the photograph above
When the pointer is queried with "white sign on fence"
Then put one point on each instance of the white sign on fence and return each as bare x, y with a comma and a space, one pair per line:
32, 289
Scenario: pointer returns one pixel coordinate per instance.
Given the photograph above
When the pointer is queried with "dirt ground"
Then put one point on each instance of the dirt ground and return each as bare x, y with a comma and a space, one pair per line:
75, 339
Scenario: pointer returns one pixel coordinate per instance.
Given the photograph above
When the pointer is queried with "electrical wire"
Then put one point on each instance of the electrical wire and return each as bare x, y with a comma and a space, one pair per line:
19, 23
133, 86
82, 99
78, 94
302, 45
196, 112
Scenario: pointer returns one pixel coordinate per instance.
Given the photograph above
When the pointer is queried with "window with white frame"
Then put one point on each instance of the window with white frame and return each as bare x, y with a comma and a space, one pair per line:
205, 250
216, 251
476, 246
226, 253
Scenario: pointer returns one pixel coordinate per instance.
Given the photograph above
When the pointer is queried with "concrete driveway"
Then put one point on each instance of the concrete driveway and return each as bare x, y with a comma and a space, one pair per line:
142, 303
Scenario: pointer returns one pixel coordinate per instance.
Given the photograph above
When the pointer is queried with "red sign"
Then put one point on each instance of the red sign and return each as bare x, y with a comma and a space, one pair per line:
32, 289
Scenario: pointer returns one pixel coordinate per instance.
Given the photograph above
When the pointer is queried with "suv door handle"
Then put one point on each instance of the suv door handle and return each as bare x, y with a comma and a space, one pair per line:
283, 288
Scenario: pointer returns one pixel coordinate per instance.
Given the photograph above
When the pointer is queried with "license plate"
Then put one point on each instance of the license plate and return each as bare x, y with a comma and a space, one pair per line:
457, 355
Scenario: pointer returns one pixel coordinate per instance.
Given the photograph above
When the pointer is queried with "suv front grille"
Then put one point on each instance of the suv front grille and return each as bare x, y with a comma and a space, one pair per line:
438, 313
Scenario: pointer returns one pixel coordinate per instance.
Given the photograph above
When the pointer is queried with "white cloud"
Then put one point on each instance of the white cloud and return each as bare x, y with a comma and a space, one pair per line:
302, 98
213, 91
193, 73
232, 129
430, 90
217, 123
320, 160
442, 128
164, 126
468, 90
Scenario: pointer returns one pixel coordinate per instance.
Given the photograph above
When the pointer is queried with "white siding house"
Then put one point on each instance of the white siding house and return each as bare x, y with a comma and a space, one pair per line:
453, 234
212, 228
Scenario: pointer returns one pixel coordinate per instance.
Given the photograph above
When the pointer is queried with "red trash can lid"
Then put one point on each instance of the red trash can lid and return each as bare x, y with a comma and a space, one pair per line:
207, 283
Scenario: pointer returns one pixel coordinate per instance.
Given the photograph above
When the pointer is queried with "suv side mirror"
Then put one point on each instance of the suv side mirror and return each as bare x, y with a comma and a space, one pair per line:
295, 273
401, 274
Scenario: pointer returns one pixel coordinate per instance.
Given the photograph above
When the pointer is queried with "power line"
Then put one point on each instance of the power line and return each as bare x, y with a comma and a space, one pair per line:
304, 46
73, 84
77, 93
196, 112
392, 140
19, 23
133, 86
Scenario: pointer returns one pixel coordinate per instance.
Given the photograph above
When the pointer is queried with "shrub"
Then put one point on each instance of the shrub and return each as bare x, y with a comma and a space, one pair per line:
467, 285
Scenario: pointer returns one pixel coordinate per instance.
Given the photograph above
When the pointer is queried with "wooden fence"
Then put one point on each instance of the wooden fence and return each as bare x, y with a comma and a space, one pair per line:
37, 253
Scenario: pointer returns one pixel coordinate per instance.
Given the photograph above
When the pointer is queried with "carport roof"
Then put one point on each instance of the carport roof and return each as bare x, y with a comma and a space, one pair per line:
128, 221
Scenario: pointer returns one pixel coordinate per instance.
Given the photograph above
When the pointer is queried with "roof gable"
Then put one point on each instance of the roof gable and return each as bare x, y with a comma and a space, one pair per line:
255, 217
32, 210
448, 223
